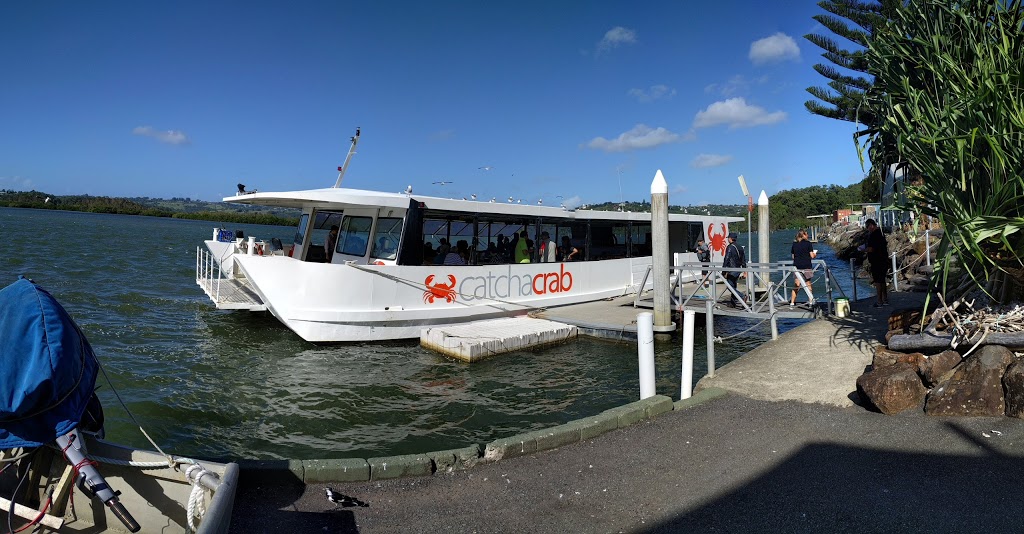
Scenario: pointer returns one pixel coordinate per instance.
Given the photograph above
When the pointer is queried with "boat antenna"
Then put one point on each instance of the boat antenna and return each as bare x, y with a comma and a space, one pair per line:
348, 158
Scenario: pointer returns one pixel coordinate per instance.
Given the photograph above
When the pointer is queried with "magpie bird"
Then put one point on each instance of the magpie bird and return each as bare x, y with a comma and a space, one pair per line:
344, 500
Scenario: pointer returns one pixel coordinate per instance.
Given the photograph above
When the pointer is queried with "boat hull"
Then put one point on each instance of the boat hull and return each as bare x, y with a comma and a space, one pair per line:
349, 302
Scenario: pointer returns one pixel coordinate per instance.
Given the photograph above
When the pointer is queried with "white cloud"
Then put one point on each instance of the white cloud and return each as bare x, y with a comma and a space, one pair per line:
734, 85
778, 47
572, 202
641, 136
615, 38
737, 114
654, 93
171, 137
703, 161
678, 189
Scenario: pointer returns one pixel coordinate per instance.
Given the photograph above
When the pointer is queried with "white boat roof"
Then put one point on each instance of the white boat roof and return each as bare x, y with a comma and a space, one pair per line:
340, 198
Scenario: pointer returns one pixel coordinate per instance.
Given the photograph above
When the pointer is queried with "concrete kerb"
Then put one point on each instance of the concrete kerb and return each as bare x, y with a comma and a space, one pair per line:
279, 472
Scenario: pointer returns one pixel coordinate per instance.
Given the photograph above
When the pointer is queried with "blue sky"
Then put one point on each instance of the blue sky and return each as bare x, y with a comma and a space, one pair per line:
558, 99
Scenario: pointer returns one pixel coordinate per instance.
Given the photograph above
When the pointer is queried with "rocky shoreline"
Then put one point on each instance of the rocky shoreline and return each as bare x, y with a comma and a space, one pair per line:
914, 266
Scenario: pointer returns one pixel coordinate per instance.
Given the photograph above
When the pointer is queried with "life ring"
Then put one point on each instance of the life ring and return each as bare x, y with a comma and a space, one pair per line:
259, 249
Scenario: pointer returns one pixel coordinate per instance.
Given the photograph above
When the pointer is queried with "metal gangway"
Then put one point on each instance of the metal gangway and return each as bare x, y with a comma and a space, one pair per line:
228, 290
703, 287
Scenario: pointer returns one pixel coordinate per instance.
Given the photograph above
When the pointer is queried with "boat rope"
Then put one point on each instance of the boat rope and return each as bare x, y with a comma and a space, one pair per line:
170, 459
196, 500
719, 339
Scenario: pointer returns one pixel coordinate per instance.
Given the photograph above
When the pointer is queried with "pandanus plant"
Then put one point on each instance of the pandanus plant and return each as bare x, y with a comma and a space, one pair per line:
949, 82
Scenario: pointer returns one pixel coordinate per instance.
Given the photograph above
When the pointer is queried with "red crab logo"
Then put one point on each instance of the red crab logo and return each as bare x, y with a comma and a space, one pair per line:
439, 290
717, 241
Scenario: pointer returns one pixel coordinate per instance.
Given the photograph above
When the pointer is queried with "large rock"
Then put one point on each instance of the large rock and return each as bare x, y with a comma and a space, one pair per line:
892, 389
936, 368
1013, 388
976, 387
885, 358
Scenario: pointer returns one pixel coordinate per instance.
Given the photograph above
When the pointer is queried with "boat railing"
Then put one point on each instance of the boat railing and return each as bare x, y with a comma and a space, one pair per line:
209, 272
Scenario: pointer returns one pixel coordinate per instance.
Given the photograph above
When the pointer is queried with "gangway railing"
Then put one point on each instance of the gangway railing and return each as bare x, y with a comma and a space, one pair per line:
766, 284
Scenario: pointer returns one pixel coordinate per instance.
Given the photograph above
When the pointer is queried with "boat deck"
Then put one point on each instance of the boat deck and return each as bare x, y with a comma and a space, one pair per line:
231, 294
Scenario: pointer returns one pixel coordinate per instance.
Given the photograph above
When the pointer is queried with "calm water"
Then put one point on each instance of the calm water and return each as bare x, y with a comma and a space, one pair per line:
210, 383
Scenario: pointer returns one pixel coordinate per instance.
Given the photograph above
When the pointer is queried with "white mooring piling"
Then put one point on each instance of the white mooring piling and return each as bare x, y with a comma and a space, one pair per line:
763, 247
645, 352
686, 386
660, 256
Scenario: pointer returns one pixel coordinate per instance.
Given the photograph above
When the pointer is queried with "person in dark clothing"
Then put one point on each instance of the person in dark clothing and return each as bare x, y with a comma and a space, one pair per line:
703, 256
734, 259
878, 257
802, 252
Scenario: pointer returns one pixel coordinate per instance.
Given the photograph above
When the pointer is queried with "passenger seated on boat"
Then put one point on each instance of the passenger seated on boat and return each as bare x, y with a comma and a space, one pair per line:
384, 249
462, 247
453, 257
442, 252
355, 246
428, 254
276, 248
569, 252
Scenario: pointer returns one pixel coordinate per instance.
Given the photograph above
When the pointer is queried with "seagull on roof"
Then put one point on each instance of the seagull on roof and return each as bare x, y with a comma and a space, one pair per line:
510, 200
540, 201
486, 168
473, 196
494, 199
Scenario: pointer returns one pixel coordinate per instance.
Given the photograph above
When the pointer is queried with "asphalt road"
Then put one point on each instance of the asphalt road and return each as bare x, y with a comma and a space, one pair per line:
730, 465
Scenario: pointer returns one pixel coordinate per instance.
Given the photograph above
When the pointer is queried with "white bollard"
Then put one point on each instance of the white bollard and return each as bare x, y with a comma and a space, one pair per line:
927, 248
645, 352
686, 389
252, 246
216, 232
895, 273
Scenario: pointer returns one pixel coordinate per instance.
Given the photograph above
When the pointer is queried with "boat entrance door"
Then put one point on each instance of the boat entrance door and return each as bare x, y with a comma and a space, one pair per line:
354, 236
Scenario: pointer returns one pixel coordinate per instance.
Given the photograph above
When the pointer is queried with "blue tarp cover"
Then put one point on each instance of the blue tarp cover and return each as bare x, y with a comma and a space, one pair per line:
47, 368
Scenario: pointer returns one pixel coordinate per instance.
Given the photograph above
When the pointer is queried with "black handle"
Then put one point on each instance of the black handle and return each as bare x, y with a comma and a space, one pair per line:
122, 514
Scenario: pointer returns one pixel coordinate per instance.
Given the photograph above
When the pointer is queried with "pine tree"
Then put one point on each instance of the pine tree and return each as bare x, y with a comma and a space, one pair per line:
845, 93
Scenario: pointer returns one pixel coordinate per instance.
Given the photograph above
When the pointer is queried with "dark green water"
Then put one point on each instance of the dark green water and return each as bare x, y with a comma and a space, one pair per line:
210, 383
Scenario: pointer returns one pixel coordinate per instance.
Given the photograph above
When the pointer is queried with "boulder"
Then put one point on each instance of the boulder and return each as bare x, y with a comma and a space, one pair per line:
892, 389
1013, 388
936, 368
884, 358
976, 387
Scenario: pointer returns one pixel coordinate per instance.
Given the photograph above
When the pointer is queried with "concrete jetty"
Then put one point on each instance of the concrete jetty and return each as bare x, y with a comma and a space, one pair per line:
725, 461
477, 340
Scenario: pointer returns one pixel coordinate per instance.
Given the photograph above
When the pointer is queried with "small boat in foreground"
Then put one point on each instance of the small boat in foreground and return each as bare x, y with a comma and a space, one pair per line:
52, 447
401, 262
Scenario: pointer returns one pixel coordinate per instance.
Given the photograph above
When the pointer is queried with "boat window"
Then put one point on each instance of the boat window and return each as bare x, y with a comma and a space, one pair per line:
385, 238
640, 240
576, 233
608, 240
355, 233
322, 224
696, 232
300, 233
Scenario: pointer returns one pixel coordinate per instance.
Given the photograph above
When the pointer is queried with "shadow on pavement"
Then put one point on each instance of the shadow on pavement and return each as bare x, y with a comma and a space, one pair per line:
835, 488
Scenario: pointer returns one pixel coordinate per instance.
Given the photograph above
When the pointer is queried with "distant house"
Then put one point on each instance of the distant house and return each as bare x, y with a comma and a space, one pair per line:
893, 194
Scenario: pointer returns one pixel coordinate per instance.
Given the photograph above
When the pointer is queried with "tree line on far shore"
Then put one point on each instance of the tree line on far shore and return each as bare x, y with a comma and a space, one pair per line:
789, 209
123, 206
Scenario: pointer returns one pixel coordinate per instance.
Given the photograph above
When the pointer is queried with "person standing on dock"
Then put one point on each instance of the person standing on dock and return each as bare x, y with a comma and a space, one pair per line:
802, 252
734, 259
878, 257
703, 256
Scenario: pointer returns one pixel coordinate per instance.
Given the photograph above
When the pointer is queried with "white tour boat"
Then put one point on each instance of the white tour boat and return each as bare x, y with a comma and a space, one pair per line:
387, 276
